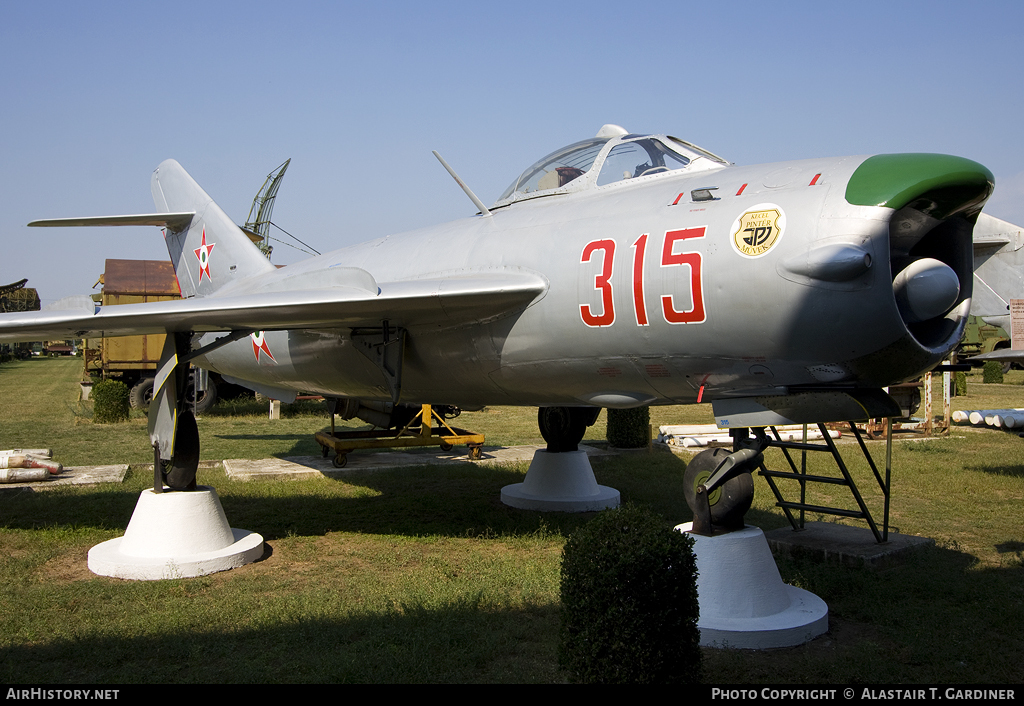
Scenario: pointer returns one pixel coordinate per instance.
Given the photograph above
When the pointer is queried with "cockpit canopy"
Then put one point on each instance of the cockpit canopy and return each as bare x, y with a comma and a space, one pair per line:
611, 157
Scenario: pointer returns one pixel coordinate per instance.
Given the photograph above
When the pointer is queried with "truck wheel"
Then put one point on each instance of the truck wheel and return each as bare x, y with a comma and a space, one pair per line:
1008, 365
142, 394
206, 399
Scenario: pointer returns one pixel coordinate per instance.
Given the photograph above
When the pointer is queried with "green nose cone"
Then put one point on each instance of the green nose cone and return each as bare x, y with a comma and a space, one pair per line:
937, 184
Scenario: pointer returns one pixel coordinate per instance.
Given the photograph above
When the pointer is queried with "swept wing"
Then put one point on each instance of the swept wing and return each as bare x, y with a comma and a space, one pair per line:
437, 303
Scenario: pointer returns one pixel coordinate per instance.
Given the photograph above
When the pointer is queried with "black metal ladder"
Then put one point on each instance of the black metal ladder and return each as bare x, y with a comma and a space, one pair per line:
802, 477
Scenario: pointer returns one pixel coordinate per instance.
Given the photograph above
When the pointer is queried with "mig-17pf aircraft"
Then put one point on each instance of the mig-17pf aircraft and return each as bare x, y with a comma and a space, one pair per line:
619, 271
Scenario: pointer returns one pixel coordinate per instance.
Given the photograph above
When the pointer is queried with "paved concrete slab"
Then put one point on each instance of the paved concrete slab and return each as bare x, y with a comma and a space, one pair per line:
843, 544
78, 475
300, 467
304, 466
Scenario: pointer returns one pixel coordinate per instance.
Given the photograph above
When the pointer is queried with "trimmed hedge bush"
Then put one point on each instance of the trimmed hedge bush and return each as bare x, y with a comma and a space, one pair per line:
629, 428
960, 384
629, 602
992, 372
110, 402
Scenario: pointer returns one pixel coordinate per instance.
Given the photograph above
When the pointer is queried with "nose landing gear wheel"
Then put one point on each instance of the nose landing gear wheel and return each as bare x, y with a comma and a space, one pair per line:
730, 501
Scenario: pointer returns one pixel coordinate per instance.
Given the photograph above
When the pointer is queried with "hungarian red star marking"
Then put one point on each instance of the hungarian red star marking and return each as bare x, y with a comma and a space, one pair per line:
203, 254
259, 343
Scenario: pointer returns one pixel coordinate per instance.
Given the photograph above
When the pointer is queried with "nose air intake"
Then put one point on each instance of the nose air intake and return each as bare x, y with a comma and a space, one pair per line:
937, 199
926, 288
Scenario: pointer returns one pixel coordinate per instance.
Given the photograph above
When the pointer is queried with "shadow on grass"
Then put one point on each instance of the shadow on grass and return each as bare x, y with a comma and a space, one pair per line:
303, 442
455, 501
260, 437
936, 618
462, 642
1012, 471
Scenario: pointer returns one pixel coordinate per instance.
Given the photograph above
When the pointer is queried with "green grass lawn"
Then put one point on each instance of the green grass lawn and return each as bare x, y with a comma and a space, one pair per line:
422, 575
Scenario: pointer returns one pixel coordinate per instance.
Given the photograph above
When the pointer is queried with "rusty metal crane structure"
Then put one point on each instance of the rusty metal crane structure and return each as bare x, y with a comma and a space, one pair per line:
257, 225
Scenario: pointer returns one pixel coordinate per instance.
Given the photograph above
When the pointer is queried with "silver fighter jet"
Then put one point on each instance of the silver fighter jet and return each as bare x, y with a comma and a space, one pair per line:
619, 271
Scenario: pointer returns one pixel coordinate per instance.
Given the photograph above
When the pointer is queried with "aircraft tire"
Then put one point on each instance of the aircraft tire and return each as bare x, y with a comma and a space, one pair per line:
142, 394
180, 474
563, 427
730, 501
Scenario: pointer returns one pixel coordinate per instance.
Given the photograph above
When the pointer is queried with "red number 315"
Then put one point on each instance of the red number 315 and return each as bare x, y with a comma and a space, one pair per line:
605, 316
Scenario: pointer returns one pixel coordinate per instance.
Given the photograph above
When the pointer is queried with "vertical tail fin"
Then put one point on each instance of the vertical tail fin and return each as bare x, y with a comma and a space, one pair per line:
211, 251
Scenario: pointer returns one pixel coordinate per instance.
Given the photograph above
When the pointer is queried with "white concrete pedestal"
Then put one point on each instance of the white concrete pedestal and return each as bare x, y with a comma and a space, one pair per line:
560, 482
743, 601
176, 534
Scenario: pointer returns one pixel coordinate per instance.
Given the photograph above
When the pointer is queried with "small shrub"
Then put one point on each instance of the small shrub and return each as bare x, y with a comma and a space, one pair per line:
110, 402
629, 602
992, 372
960, 384
629, 428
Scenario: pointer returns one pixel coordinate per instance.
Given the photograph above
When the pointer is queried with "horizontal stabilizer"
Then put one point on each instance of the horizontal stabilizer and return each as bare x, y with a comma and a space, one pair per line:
449, 301
173, 221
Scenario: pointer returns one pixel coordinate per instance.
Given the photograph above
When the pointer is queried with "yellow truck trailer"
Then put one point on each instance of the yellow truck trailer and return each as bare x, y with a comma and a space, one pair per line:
133, 359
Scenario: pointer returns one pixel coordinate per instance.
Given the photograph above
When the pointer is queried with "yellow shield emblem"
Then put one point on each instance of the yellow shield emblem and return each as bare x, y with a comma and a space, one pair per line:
758, 229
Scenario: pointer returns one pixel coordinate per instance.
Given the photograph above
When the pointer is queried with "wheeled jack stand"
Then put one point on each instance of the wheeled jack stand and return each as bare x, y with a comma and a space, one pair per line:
420, 431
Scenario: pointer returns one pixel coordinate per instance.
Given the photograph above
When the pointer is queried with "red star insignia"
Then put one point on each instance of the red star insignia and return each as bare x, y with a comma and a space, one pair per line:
259, 343
203, 255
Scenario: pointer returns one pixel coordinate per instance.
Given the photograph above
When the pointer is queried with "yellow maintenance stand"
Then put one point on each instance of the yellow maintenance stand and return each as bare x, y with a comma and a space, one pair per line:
420, 431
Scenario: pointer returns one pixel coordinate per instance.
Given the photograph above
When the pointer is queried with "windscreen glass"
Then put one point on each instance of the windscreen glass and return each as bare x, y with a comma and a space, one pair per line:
639, 158
557, 169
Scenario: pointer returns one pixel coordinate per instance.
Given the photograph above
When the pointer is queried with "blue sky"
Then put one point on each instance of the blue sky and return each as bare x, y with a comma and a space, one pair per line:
96, 94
